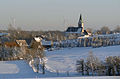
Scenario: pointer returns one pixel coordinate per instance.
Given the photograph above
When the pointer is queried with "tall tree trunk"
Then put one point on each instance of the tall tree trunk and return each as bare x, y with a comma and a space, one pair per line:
43, 68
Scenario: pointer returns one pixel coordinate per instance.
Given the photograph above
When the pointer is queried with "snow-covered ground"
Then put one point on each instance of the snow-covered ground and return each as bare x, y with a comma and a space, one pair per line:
60, 61
98, 77
65, 59
15, 69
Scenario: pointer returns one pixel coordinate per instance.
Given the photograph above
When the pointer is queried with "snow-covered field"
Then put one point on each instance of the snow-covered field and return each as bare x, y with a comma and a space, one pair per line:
15, 69
61, 61
65, 59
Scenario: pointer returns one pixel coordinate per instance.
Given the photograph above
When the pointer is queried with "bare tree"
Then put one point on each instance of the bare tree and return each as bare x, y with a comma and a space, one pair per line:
92, 62
37, 53
105, 30
117, 29
80, 66
113, 65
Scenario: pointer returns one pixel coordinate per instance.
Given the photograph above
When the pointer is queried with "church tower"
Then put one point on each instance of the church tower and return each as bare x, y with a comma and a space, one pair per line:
80, 23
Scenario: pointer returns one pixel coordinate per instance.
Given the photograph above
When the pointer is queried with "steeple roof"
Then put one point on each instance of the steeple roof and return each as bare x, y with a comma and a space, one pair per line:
80, 16
80, 19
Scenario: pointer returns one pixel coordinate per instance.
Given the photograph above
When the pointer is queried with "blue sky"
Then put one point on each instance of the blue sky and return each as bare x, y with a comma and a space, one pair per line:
59, 14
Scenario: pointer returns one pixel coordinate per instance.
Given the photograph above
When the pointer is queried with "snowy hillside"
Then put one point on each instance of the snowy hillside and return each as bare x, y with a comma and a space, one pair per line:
65, 59
60, 61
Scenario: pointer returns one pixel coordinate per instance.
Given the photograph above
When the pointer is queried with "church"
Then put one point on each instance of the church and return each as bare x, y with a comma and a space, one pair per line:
78, 30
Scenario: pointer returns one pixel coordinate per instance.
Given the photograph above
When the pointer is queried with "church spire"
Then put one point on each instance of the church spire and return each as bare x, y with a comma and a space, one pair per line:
80, 17
80, 21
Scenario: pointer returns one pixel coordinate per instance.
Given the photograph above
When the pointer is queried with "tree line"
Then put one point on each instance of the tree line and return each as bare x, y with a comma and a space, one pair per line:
93, 66
93, 41
18, 33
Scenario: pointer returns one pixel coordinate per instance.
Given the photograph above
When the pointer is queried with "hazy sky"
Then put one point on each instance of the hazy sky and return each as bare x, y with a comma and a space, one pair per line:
59, 14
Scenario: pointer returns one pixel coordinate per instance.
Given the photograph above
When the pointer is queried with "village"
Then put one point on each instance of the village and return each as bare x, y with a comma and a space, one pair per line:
59, 39
72, 37
36, 48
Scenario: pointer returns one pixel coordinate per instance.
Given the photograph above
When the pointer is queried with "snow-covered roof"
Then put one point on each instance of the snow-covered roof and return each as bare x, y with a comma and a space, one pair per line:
46, 42
38, 39
3, 34
74, 30
22, 42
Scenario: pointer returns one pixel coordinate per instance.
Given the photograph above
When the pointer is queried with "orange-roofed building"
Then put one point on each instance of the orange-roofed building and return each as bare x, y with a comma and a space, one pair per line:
11, 44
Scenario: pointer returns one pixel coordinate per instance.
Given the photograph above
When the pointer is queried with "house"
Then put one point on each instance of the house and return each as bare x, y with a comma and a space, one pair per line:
17, 43
47, 44
44, 41
21, 42
11, 44
4, 37
38, 38
4, 34
79, 29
